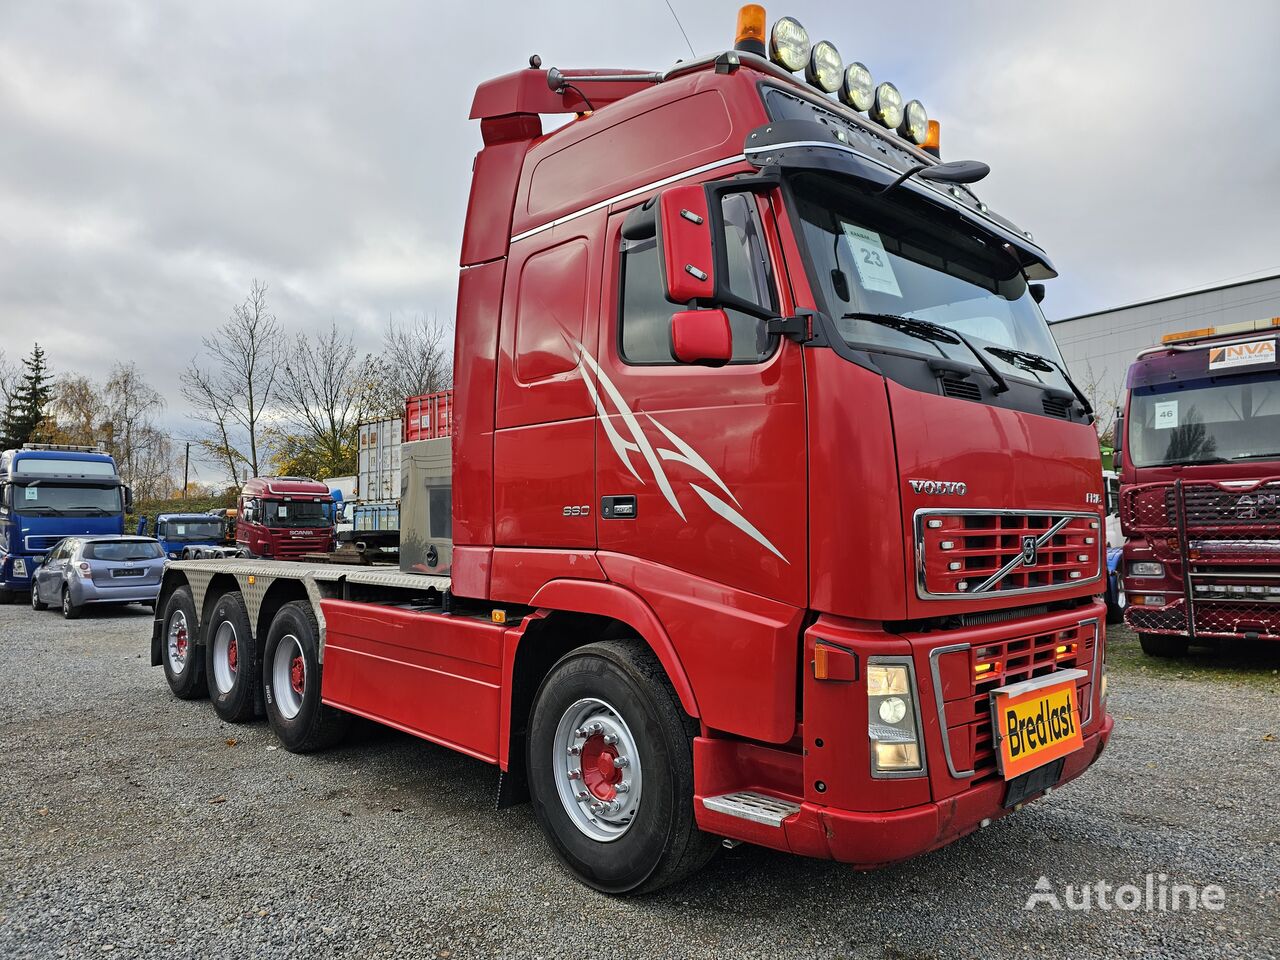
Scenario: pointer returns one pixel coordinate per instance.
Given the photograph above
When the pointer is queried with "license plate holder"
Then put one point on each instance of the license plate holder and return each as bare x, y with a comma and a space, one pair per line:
1035, 722
1021, 789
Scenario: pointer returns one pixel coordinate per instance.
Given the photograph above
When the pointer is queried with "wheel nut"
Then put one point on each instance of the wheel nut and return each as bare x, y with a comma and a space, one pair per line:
623, 786
575, 751
621, 763
582, 795
610, 738
575, 774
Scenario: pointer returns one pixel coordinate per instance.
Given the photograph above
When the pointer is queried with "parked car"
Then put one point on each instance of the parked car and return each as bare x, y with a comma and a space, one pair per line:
79, 571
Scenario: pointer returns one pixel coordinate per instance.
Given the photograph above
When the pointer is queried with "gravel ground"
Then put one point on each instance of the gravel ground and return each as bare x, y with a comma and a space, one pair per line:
133, 824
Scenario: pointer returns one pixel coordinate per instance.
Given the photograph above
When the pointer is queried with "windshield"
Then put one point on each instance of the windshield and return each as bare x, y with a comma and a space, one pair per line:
876, 256
295, 514
51, 499
119, 550
1210, 420
191, 531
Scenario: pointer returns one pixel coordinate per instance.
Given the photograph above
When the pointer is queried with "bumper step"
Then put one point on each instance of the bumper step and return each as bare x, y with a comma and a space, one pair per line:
756, 807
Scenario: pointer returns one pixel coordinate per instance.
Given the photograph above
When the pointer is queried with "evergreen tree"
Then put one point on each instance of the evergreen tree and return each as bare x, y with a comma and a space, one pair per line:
25, 410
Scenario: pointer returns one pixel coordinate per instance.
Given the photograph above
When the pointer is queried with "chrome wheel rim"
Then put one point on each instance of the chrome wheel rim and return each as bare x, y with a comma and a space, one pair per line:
35, 597
179, 641
596, 766
226, 650
289, 676
66, 601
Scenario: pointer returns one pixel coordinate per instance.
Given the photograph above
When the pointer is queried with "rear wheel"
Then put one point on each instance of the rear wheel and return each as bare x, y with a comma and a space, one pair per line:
1158, 645
610, 761
36, 602
291, 683
231, 659
70, 609
183, 666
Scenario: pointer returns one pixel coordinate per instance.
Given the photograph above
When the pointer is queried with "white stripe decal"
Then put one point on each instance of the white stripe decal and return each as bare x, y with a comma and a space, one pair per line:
737, 519
600, 205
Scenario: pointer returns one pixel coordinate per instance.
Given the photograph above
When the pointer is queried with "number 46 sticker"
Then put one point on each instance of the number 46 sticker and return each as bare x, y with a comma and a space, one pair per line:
875, 272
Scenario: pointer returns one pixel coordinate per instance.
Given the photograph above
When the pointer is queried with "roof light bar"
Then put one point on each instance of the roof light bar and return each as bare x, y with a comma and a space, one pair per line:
1244, 326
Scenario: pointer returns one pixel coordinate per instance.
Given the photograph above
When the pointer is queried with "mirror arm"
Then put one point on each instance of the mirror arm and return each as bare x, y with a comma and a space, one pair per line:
911, 172
798, 328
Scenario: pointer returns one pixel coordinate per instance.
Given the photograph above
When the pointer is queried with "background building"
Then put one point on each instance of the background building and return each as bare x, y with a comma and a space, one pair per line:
1098, 347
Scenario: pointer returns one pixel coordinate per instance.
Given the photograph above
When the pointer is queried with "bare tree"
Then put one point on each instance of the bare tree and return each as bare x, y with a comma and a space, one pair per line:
143, 453
417, 358
76, 409
324, 393
1104, 397
233, 394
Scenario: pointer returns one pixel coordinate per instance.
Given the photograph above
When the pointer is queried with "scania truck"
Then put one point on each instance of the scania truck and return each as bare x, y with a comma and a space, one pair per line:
1200, 488
51, 491
283, 518
769, 513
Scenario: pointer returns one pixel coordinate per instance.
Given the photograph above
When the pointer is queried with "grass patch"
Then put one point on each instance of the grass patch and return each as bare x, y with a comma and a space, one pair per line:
1232, 662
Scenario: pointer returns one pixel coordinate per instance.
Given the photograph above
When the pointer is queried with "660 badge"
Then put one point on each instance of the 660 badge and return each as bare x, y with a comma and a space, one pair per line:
1036, 721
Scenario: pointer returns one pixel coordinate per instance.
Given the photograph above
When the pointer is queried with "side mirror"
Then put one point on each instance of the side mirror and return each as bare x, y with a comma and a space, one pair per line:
1117, 434
684, 238
128, 499
1037, 292
702, 336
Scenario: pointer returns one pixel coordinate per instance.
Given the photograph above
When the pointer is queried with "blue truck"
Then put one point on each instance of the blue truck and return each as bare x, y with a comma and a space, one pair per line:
191, 536
51, 491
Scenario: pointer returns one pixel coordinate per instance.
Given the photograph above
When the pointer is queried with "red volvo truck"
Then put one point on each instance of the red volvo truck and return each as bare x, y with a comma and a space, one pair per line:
774, 516
1200, 488
282, 518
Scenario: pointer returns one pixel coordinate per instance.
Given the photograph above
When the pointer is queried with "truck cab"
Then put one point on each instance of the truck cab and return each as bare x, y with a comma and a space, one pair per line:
51, 491
187, 535
1200, 488
282, 518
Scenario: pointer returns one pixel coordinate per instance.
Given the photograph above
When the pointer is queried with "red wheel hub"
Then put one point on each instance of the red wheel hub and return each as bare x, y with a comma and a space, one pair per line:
232, 655
297, 675
181, 643
599, 775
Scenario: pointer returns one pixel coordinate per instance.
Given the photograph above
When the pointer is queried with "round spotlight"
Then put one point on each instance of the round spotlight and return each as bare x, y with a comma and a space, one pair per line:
825, 68
892, 709
789, 44
858, 89
915, 122
886, 108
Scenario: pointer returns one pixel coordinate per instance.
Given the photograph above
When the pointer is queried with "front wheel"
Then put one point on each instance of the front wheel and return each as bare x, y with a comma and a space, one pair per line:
291, 683
1159, 645
70, 609
36, 602
610, 761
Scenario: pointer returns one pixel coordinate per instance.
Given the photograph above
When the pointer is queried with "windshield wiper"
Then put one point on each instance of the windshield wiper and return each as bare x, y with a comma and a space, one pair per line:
1253, 456
1034, 361
53, 510
928, 330
98, 511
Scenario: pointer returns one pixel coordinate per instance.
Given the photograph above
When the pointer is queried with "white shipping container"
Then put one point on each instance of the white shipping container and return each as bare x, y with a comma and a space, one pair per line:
379, 460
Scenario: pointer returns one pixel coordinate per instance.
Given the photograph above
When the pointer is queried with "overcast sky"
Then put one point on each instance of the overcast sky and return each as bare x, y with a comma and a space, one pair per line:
156, 157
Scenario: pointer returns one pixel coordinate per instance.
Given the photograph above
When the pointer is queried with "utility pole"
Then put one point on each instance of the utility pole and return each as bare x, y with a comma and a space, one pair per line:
186, 471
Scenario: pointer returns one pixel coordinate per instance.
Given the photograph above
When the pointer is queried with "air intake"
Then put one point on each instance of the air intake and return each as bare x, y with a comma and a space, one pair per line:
960, 389
1053, 407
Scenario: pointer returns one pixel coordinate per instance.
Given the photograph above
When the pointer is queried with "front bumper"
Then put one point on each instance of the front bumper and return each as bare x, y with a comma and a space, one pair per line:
867, 840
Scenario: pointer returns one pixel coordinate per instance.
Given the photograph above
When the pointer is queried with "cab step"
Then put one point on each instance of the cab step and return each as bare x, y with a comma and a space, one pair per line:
756, 807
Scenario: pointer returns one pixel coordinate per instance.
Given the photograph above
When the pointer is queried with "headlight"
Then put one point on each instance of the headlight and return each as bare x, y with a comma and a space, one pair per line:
1146, 568
19, 568
858, 89
1152, 600
915, 122
1102, 686
886, 108
825, 69
892, 730
789, 44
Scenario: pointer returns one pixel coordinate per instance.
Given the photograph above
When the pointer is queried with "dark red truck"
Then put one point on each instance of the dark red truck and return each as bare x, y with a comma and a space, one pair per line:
1200, 488
774, 517
283, 518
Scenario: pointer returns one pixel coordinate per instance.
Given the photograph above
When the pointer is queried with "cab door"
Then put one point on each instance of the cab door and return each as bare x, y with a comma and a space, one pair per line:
702, 470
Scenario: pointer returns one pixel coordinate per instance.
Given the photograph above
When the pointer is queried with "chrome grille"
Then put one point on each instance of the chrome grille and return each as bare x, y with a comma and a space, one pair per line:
1004, 552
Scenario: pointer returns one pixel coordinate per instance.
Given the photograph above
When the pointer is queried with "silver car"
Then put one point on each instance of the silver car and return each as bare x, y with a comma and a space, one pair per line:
82, 570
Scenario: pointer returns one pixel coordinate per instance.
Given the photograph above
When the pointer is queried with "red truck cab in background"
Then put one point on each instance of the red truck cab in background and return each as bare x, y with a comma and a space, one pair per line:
1200, 488
775, 517
282, 518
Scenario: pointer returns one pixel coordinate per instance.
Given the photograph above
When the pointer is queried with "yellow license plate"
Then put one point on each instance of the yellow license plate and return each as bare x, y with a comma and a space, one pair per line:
1036, 722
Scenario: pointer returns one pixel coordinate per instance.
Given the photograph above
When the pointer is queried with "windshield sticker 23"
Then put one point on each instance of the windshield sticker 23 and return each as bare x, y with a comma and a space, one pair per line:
875, 272
727, 509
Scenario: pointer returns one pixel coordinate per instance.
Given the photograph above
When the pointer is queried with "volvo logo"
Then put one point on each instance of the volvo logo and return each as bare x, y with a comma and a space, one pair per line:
947, 487
1030, 551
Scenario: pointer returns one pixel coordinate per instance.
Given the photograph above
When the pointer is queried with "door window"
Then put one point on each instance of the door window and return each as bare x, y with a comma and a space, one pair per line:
645, 312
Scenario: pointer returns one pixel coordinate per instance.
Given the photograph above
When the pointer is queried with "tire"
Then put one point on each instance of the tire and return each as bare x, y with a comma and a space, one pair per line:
649, 840
291, 688
70, 610
231, 659
1116, 600
180, 653
36, 602
1158, 645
